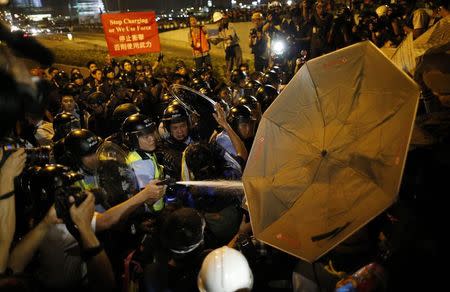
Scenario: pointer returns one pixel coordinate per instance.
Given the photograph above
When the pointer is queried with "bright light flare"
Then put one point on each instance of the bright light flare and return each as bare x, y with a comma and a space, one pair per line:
278, 47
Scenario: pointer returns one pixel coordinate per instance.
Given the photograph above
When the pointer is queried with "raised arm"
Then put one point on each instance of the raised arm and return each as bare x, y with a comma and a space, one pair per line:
12, 167
220, 117
100, 273
24, 251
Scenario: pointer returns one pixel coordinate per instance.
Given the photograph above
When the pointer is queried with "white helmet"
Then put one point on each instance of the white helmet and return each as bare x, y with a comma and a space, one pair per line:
382, 10
225, 270
257, 15
217, 16
274, 4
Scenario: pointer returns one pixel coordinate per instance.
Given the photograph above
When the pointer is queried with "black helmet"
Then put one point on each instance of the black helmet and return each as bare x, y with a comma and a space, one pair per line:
238, 114
166, 98
134, 126
70, 89
198, 83
249, 101
76, 76
277, 69
108, 69
127, 79
122, 112
182, 231
206, 91
80, 143
63, 124
61, 79
174, 113
251, 86
272, 77
257, 75
237, 76
266, 95
97, 97
137, 62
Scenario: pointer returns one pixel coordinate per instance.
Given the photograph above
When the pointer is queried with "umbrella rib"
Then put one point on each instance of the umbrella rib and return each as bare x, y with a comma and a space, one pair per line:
307, 188
320, 107
311, 182
359, 173
291, 132
348, 116
370, 129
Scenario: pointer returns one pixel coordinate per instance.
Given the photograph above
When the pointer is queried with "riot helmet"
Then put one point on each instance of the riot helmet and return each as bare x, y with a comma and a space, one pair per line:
78, 144
174, 113
63, 124
70, 89
266, 95
135, 126
182, 232
122, 112
238, 77
61, 79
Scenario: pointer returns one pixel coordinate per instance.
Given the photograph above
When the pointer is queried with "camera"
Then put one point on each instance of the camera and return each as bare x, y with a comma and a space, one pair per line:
35, 156
253, 33
38, 188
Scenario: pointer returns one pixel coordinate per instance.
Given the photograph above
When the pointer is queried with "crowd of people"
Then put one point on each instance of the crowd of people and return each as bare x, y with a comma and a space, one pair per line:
88, 198
287, 35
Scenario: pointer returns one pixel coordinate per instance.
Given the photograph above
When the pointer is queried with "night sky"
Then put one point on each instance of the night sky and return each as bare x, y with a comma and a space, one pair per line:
158, 5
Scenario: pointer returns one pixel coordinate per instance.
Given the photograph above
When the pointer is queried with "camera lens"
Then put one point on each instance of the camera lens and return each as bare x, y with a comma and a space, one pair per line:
40, 155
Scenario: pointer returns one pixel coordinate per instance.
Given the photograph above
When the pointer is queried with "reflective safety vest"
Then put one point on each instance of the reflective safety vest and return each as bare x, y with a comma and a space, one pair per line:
146, 168
87, 183
199, 41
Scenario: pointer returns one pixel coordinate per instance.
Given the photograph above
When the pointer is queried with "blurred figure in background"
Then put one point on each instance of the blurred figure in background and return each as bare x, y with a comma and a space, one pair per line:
198, 38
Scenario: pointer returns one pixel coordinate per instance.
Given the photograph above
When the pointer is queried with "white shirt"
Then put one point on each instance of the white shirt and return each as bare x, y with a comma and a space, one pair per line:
60, 263
44, 133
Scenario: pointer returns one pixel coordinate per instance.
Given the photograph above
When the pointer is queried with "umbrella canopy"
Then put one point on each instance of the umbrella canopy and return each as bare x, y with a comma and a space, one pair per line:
329, 152
409, 55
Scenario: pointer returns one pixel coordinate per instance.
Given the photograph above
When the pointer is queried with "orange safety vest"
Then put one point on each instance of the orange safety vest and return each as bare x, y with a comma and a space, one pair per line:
199, 41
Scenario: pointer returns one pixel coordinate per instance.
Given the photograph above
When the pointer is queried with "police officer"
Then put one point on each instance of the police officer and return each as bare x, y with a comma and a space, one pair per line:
242, 120
120, 114
266, 95
80, 154
177, 123
63, 124
140, 135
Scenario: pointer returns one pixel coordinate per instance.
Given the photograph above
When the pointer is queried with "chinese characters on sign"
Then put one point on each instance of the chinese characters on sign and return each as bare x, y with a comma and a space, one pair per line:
131, 33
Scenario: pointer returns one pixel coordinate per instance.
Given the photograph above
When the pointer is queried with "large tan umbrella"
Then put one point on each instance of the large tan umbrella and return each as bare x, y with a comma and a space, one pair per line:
329, 152
409, 55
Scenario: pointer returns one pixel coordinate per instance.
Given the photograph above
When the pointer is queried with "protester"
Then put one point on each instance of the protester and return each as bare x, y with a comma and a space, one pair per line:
198, 38
230, 40
159, 134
